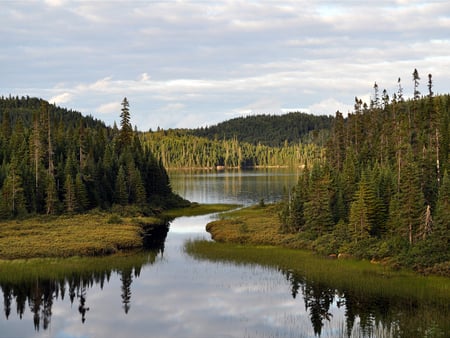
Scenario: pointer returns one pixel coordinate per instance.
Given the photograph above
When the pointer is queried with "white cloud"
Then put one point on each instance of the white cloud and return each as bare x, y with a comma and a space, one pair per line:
223, 57
61, 98
109, 108
329, 106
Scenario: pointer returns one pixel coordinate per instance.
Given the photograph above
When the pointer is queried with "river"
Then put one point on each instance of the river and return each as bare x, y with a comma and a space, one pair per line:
167, 293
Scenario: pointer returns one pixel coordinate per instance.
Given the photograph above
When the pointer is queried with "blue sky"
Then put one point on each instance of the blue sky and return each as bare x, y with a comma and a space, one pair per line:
196, 63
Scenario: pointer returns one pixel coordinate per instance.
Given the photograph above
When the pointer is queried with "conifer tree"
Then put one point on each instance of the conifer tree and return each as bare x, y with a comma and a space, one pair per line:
359, 225
81, 196
126, 131
121, 191
410, 201
13, 201
318, 217
69, 196
51, 195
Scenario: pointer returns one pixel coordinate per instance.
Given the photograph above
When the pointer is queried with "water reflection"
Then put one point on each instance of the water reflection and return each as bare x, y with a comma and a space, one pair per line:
233, 186
73, 277
368, 315
176, 295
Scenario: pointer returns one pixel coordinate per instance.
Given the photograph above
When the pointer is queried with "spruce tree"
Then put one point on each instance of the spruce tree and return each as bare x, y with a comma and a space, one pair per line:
126, 131
69, 194
121, 191
318, 217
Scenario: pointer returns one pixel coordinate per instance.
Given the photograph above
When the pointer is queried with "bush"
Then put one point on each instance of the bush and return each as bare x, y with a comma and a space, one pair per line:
114, 219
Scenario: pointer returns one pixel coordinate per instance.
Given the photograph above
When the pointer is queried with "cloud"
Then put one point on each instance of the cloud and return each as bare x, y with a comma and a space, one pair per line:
109, 108
61, 98
222, 57
329, 107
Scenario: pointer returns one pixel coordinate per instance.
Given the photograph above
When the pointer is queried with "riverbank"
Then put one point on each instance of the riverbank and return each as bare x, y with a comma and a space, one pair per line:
96, 233
260, 225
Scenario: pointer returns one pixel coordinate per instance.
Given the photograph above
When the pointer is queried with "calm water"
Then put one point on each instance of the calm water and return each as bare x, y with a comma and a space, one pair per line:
166, 293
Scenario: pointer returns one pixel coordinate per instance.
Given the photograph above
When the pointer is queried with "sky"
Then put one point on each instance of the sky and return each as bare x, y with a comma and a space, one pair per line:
187, 64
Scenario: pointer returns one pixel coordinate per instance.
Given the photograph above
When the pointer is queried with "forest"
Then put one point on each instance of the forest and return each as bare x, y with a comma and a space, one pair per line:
383, 191
54, 161
179, 149
270, 130
289, 140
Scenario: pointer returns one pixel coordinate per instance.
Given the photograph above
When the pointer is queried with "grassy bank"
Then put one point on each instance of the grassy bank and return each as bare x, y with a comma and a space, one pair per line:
92, 234
361, 277
410, 304
89, 234
26, 270
252, 225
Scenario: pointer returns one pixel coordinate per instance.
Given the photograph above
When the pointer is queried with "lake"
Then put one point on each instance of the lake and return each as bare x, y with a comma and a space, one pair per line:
167, 293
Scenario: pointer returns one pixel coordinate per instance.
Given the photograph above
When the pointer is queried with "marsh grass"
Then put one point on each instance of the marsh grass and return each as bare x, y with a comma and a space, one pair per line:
251, 236
89, 234
252, 225
360, 277
22, 270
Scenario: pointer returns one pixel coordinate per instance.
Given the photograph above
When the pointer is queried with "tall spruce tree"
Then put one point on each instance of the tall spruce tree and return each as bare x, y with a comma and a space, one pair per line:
126, 131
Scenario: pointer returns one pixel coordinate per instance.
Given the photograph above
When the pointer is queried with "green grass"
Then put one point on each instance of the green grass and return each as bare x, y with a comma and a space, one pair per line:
252, 225
89, 234
22, 270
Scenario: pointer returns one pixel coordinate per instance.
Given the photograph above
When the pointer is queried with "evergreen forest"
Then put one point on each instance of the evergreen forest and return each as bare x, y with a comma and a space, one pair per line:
54, 161
269, 130
383, 192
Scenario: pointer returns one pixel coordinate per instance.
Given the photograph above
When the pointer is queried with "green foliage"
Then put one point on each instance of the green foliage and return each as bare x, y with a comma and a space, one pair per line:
180, 149
54, 160
269, 130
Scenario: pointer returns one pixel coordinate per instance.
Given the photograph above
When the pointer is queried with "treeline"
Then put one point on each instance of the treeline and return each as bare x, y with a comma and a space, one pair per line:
270, 130
179, 149
384, 189
54, 160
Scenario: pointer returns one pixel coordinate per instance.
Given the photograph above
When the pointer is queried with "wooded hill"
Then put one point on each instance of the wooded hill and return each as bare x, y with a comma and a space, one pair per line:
384, 189
254, 141
54, 160
269, 130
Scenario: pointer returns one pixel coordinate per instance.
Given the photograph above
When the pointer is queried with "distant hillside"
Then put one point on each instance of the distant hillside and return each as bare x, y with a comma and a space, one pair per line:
270, 130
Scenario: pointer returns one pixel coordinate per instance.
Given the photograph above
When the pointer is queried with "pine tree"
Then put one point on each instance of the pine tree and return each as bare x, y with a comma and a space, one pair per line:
81, 196
13, 201
126, 131
318, 217
51, 198
410, 202
121, 191
359, 224
69, 196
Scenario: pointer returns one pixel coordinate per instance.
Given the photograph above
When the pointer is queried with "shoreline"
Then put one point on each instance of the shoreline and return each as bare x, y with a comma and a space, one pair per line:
92, 234
259, 226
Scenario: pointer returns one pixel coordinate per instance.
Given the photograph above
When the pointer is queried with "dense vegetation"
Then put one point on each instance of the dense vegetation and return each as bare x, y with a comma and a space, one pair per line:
384, 189
54, 161
269, 130
179, 149
290, 140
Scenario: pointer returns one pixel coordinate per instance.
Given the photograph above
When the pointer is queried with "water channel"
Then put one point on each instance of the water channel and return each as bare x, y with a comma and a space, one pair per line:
167, 293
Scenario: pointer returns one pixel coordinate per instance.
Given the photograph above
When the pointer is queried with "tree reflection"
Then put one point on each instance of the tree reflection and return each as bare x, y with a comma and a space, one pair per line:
40, 289
40, 293
126, 279
365, 314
